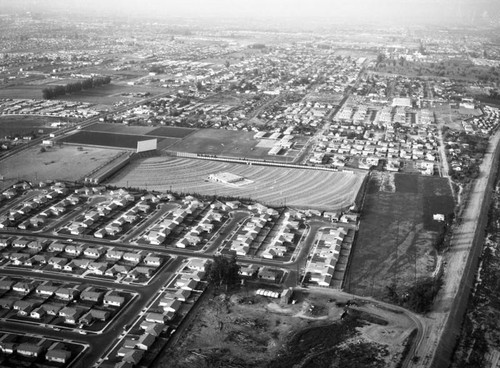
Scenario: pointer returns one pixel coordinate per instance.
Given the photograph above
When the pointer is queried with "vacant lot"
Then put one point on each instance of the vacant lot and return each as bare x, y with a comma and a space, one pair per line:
12, 125
160, 132
116, 128
171, 132
64, 163
19, 92
222, 142
245, 330
113, 140
271, 185
397, 232
106, 95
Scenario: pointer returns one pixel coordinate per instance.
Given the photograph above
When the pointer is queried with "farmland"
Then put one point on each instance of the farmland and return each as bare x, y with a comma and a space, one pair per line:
397, 232
63, 163
112, 140
110, 94
22, 125
20, 92
271, 185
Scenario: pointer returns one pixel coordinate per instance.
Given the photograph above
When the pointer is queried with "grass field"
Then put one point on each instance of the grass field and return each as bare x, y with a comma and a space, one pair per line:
271, 185
19, 92
112, 140
64, 163
221, 142
118, 129
397, 232
11, 125
108, 95
171, 132
160, 132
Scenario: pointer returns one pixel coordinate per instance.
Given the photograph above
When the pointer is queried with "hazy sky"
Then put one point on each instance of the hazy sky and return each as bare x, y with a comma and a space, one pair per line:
356, 10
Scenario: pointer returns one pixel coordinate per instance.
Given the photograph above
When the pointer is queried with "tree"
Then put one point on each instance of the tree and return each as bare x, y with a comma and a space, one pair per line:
223, 271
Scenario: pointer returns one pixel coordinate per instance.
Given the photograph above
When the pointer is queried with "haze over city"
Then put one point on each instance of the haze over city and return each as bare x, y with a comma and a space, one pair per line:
409, 12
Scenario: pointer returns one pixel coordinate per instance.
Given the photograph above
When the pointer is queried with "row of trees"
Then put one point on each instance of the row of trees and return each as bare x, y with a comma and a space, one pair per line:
56, 91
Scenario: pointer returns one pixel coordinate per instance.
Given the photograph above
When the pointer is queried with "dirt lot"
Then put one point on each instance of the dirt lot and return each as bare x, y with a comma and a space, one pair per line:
397, 232
246, 330
64, 163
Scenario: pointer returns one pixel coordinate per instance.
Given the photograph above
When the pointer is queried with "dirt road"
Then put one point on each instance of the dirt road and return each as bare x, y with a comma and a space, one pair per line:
443, 323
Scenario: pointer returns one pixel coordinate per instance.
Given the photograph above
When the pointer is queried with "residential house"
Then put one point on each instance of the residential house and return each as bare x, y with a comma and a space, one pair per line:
6, 303
134, 258
58, 355
93, 252
58, 262
46, 289
133, 356
182, 295
38, 312
114, 254
112, 298
74, 250
77, 264
71, 315
91, 295
145, 341
117, 271
19, 258
197, 264
6, 284
29, 349
24, 287
152, 261
152, 328
155, 317
52, 309
67, 293
98, 268
23, 307
170, 305
37, 259
7, 343
56, 247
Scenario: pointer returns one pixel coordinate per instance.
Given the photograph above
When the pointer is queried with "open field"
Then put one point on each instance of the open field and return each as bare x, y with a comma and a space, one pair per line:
113, 140
164, 131
64, 163
397, 233
24, 91
118, 129
109, 94
271, 185
12, 125
246, 330
222, 142
171, 132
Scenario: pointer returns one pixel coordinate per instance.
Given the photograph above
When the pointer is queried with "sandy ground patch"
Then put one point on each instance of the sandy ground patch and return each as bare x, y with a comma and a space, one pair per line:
246, 330
62, 163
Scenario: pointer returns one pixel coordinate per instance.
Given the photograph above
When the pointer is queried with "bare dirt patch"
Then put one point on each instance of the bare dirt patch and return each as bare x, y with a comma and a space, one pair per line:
245, 330
62, 163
